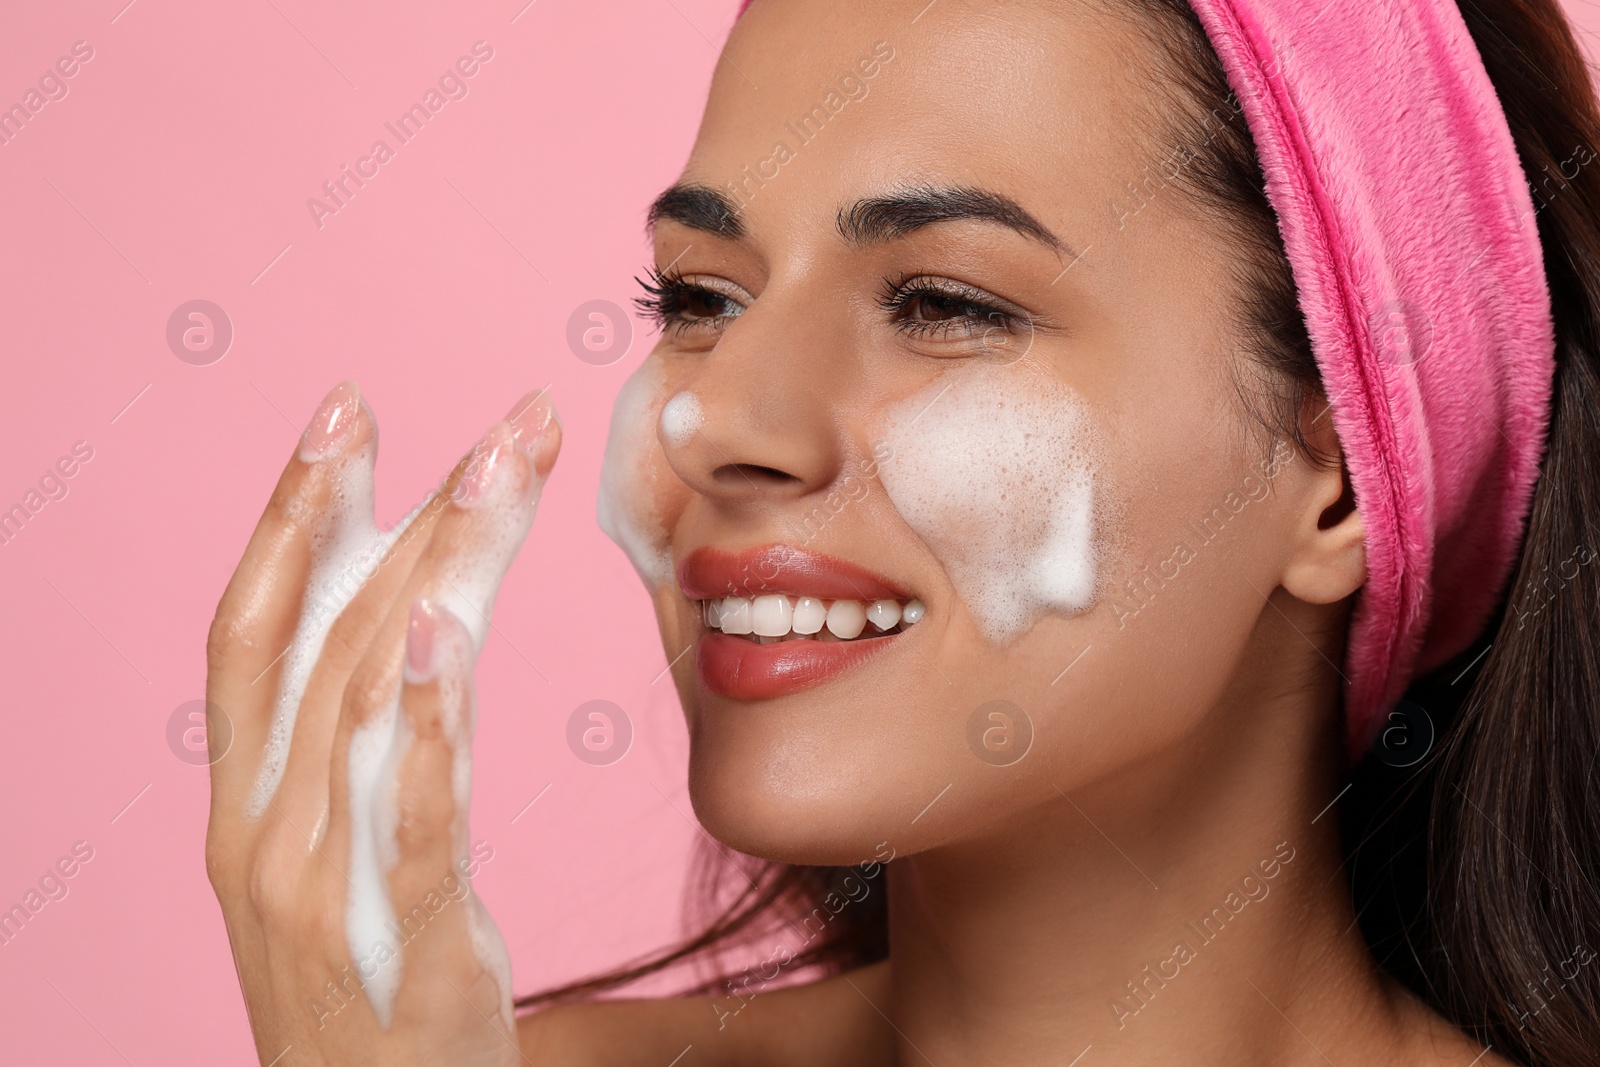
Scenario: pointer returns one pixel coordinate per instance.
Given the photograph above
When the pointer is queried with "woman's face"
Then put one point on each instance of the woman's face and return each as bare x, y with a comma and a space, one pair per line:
937, 318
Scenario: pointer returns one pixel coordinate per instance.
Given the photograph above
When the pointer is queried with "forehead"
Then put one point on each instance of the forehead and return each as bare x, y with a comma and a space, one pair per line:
827, 101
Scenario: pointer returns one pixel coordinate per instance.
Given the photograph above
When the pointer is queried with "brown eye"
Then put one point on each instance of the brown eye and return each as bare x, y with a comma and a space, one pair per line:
947, 309
939, 307
696, 303
681, 305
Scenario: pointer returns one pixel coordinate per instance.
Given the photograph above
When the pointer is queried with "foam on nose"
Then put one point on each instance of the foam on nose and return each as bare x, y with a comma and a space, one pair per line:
681, 418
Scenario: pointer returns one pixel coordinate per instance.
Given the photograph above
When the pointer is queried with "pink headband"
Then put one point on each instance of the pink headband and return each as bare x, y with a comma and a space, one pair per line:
1411, 232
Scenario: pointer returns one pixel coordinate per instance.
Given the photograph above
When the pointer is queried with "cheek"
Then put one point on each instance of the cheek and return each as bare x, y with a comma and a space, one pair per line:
996, 469
633, 473
1212, 521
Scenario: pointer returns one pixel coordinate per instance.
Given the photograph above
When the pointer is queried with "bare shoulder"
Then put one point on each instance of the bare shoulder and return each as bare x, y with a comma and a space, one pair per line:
831, 1021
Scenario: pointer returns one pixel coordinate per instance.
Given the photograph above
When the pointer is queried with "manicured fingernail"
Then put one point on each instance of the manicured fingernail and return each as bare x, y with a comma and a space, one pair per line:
537, 429
421, 629
331, 425
487, 462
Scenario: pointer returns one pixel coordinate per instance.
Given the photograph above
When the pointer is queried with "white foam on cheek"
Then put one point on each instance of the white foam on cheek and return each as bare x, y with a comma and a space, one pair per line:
346, 549
681, 418
994, 469
626, 509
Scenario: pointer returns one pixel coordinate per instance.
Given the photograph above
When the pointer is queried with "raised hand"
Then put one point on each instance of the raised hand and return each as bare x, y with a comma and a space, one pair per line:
338, 843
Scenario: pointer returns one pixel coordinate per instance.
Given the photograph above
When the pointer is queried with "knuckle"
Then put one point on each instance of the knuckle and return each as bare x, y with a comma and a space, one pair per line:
350, 635
274, 884
225, 640
423, 827
270, 895
220, 866
367, 693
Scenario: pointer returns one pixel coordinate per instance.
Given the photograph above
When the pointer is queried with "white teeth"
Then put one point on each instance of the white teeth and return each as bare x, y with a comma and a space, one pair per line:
809, 615
773, 617
770, 616
884, 614
846, 619
736, 616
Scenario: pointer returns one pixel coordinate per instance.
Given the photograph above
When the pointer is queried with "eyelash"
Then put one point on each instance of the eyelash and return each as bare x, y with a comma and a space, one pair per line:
668, 293
980, 311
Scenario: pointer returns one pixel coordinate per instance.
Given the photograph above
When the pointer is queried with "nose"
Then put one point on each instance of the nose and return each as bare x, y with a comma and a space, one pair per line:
758, 420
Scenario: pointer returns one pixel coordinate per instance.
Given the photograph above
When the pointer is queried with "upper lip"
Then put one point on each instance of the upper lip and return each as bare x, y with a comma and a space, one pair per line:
708, 573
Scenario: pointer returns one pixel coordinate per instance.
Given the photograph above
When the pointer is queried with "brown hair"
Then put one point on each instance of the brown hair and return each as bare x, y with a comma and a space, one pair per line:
1495, 922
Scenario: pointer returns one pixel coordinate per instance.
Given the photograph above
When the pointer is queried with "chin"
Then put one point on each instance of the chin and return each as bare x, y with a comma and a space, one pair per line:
796, 797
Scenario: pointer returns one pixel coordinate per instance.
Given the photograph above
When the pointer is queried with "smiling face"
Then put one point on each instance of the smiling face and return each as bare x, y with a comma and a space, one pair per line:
945, 396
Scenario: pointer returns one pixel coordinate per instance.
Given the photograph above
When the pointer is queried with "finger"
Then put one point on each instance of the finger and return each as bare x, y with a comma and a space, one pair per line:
445, 932
260, 610
302, 794
476, 537
494, 507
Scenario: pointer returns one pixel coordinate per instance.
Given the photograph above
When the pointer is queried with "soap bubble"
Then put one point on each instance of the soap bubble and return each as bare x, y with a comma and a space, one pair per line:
599, 732
189, 728
1406, 737
999, 733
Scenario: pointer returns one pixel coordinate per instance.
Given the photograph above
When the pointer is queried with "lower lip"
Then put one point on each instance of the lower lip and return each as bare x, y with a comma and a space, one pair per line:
745, 670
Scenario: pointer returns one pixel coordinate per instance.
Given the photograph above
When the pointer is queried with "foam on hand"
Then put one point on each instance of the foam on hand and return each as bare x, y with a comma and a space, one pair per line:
377, 750
994, 468
626, 510
469, 582
465, 588
346, 549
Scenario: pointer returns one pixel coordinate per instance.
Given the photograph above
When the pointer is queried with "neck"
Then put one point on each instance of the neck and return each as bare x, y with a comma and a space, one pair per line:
1193, 912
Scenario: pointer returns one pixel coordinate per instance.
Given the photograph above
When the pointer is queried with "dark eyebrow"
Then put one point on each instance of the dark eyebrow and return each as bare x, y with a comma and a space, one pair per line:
873, 219
698, 207
885, 218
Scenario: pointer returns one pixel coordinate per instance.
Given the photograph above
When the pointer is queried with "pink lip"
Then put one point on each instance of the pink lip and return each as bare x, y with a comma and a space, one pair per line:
745, 670
707, 573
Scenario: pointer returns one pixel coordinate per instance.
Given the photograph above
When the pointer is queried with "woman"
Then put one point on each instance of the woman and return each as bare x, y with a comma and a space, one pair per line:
1054, 511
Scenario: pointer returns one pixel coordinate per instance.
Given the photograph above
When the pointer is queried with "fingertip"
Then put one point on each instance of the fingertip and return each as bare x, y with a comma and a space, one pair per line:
436, 670
543, 455
422, 627
537, 429
333, 425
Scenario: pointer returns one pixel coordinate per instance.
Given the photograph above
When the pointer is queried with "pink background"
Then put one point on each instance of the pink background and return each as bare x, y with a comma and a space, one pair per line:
178, 167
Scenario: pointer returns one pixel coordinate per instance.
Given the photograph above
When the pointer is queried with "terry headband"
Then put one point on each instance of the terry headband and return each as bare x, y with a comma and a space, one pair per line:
1409, 224
1412, 236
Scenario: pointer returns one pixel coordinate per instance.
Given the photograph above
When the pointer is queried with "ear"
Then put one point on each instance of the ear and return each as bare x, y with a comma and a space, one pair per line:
1327, 560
